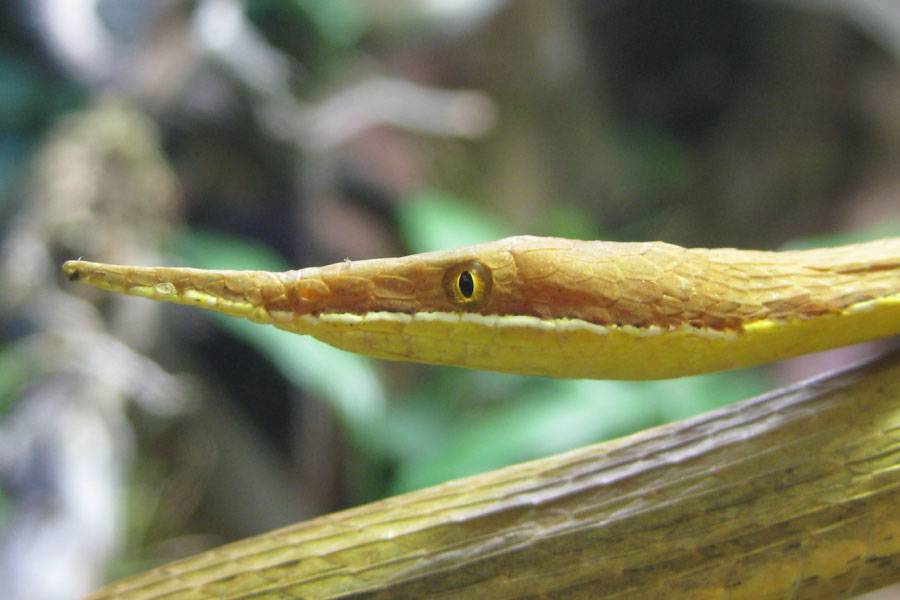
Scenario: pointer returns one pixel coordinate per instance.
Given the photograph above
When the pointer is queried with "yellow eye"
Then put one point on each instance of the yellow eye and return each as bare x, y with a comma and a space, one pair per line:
467, 284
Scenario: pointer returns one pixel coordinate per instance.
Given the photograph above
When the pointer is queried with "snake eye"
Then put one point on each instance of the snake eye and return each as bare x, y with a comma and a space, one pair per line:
467, 284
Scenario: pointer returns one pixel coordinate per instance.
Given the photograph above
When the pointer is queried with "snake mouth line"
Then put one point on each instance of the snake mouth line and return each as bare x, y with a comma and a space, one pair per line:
497, 322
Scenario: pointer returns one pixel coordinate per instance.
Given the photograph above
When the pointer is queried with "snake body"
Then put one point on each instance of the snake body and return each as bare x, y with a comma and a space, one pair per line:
558, 307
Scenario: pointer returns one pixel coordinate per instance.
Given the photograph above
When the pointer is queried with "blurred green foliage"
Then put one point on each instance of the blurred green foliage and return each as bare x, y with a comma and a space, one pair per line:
13, 374
433, 220
888, 228
13, 377
318, 32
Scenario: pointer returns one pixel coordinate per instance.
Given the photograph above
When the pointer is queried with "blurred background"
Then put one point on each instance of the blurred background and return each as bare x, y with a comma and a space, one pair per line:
285, 133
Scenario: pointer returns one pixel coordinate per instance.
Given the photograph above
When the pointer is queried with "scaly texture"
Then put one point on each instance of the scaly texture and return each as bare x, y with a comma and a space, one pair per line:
561, 307
790, 495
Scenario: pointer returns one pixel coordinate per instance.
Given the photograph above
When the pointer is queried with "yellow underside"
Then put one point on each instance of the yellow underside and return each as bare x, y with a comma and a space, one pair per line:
578, 349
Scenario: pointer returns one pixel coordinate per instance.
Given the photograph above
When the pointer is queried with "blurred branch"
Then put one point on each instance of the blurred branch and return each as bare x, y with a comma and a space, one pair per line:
382, 101
224, 33
220, 29
881, 18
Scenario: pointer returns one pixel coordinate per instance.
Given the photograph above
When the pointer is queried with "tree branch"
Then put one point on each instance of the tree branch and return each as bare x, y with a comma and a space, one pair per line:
791, 493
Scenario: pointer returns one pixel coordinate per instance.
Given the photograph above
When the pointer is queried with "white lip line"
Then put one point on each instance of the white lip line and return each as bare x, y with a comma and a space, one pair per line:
507, 322
571, 323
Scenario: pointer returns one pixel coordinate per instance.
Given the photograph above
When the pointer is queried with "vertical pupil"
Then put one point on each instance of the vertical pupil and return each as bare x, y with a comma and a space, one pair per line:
466, 284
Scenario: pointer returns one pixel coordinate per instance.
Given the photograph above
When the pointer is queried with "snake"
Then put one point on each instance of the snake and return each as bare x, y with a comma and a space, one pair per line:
559, 307
572, 309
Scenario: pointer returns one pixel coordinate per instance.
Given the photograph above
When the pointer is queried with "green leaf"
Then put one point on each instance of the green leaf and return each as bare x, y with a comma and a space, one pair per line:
433, 220
5, 506
889, 227
542, 417
564, 220
13, 375
211, 250
689, 396
341, 22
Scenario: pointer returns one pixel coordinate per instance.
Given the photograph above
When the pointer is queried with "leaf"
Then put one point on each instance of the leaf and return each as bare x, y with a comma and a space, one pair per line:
547, 416
341, 22
433, 220
889, 227
13, 375
542, 417
689, 396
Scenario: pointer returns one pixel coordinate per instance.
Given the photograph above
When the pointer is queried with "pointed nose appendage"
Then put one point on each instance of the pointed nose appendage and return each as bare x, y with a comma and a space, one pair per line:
256, 295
